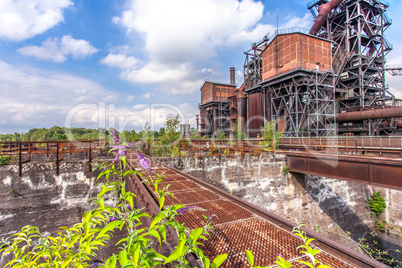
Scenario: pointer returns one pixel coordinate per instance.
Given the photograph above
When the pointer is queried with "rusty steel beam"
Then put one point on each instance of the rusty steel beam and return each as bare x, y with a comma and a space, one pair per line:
323, 12
370, 114
383, 172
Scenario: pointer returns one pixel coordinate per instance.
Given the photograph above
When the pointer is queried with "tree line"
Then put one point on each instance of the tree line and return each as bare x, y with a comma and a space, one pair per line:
63, 133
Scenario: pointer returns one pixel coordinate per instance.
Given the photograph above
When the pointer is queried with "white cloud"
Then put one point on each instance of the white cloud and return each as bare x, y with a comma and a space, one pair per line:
181, 35
56, 50
21, 19
147, 96
154, 114
34, 98
120, 61
78, 48
130, 98
48, 51
394, 59
157, 73
293, 21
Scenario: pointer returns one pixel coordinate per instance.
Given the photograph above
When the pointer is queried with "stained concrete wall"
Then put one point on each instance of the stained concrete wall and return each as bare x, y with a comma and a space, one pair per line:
44, 199
330, 206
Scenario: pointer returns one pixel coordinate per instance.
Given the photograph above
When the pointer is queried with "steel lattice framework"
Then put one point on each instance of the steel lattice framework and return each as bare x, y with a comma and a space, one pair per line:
253, 63
394, 71
303, 103
356, 28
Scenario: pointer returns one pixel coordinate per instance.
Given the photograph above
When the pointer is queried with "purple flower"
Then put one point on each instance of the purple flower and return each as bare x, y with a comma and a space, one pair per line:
182, 211
143, 162
129, 207
280, 255
95, 265
209, 219
120, 151
115, 136
112, 219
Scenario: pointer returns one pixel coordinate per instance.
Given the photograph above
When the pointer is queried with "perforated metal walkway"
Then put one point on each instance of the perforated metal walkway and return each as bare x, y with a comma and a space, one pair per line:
241, 226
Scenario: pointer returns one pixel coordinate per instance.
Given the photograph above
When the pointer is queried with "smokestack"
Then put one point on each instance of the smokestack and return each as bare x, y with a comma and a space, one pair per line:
232, 76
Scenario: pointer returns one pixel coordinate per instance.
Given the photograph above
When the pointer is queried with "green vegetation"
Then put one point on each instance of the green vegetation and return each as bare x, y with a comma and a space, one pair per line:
62, 133
221, 135
377, 205
238, 135
77, 246
270, 135
4, 159
166, 144
371, 245
285, 169
308, 251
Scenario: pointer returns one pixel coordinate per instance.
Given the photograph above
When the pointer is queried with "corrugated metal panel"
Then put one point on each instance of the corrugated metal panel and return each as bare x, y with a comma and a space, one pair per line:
293, 51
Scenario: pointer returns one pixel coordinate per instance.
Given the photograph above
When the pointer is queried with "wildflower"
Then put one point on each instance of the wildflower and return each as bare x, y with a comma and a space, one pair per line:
95, 265
182, 211
115, 136
129, 207
119, 148
143, 162
280, 255
112, 219
209, 218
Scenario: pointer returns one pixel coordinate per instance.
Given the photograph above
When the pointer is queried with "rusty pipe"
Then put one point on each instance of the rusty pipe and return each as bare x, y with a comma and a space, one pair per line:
370, 114
323, 12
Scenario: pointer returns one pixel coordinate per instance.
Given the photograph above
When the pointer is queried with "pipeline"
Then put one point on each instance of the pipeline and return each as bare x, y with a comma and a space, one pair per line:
323, 12
392, 112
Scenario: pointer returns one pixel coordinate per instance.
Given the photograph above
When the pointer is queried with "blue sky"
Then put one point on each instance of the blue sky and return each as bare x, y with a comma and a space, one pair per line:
87, 63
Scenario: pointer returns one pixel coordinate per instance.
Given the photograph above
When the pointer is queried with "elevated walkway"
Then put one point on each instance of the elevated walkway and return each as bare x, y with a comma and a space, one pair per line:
240, 225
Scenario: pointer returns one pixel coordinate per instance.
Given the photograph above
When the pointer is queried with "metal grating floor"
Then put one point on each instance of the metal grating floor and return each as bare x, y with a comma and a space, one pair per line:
236, 228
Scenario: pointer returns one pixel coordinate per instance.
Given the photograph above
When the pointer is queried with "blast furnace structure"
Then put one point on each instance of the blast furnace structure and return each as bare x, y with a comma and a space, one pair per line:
329, 80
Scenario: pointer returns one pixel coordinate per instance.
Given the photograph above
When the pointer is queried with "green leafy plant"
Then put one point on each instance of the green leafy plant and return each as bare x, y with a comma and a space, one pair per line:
308, 251
4, 159
377, 205
238, 134
76, 246
371, 245
285, 169
221, 135
271, 135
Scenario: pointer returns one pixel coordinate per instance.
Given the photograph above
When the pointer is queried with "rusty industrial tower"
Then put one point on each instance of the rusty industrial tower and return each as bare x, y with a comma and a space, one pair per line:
356, 29
329, 80
214, 106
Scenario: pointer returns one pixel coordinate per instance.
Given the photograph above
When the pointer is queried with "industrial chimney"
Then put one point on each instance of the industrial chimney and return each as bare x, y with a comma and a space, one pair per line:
232, 76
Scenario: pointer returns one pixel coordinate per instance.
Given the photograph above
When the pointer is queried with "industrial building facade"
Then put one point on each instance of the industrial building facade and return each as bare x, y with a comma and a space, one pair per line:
329, 80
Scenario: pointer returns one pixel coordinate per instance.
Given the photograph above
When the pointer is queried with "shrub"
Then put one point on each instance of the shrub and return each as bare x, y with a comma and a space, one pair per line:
271, 135
285, 169
4, 159
76, 246
377, 203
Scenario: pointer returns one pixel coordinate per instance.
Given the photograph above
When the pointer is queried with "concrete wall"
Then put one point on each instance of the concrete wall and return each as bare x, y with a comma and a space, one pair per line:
330, 206
44, 199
